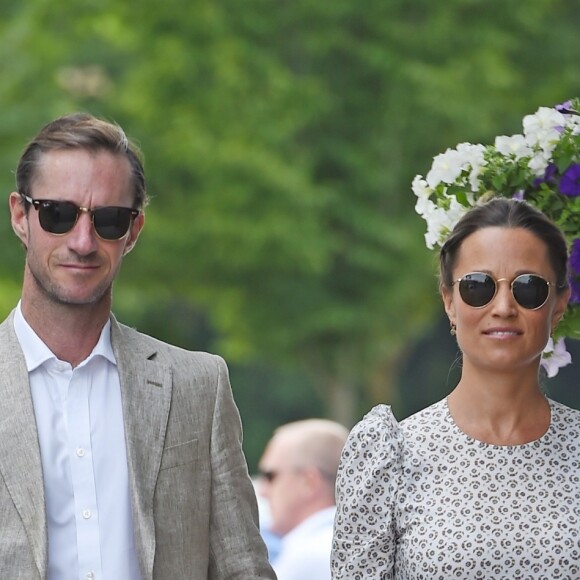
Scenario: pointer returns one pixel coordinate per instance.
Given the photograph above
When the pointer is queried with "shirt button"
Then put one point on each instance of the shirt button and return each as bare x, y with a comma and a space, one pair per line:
90, 575
87, 514
80, 452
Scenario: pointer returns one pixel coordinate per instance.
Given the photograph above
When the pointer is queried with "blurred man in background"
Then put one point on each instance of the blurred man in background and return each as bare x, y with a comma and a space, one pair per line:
271, 539
298, 471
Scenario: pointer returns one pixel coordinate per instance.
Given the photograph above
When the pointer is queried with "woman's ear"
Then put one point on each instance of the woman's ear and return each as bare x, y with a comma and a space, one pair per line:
448, 303
560, 307
19, 217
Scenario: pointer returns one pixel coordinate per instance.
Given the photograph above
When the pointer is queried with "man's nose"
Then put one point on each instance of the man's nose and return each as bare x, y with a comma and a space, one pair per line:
82, 239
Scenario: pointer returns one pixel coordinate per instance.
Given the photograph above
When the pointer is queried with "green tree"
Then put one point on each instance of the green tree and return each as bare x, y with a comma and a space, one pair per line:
281, 139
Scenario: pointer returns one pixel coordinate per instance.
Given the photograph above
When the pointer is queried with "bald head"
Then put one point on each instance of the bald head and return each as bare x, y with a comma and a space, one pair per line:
300, 464
314, 443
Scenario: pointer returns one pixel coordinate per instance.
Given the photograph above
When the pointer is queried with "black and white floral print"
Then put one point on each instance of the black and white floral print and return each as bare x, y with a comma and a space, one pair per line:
422, 500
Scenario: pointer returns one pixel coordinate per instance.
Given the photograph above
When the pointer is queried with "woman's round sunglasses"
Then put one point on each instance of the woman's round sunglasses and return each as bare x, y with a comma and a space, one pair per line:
59, 217
478, 289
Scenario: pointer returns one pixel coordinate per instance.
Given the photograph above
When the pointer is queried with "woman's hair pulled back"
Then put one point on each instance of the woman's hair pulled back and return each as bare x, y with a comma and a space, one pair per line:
506, 213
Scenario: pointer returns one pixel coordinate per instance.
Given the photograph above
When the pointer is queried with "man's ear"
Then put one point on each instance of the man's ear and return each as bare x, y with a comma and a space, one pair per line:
134, 232
19, 217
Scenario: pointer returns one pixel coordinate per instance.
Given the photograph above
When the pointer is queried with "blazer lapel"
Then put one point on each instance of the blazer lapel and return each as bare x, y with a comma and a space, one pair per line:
20, 463
146, 391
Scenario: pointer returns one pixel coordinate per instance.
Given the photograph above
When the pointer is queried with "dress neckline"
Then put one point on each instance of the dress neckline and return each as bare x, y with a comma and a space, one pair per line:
472, 440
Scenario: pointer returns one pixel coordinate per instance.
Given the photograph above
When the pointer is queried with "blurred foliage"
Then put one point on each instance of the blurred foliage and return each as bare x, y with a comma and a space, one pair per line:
280, 141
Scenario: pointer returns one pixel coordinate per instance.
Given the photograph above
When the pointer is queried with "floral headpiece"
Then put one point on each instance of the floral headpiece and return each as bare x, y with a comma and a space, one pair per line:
542, 166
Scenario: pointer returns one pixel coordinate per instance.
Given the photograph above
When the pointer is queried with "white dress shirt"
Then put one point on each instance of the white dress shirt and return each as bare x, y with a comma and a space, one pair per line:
305, 550
79, 418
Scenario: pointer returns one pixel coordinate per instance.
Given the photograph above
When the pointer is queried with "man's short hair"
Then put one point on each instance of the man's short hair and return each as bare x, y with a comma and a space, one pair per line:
81, 131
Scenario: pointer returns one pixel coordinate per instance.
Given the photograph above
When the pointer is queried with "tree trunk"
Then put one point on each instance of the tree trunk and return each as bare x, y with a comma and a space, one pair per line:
342, 399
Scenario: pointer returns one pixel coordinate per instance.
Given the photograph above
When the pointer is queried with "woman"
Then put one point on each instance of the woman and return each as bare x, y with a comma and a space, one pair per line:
485, 483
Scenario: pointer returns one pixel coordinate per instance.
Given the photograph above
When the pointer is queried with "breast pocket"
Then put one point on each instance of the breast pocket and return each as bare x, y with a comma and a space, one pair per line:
181, 454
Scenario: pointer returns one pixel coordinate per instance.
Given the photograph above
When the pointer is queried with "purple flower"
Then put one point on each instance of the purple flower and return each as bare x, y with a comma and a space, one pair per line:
570, 181
564, 107
574, 278
519, 195
550, 172
575, 257
575, 287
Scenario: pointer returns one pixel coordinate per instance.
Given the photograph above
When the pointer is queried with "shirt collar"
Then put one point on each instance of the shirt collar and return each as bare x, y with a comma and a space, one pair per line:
319, 520
37, 353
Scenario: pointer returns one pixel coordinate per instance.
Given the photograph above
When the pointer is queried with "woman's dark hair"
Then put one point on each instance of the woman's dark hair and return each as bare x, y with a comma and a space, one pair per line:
506, 213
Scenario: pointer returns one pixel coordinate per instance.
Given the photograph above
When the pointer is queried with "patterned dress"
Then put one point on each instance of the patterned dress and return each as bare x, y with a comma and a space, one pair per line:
422, 500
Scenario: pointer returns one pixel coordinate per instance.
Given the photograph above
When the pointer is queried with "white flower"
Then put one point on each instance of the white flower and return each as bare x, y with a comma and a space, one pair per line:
538, 163
437, 221
420, 188
432, 236
424, 206
473, 156
543, 129
555, 356
544, 122
573, 123
455, 212
515, 145
441, 221
446, 168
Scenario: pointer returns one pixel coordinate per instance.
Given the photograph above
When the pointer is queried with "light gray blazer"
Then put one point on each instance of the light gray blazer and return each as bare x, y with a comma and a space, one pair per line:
194, 507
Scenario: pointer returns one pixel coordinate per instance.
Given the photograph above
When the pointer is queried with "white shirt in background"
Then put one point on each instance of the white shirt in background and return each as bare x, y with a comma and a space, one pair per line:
305, 550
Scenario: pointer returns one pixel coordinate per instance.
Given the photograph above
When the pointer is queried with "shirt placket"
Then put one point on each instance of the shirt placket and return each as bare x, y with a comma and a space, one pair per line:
83, 476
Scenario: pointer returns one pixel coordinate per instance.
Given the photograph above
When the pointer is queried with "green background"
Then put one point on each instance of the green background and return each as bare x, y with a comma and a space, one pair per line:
280, 140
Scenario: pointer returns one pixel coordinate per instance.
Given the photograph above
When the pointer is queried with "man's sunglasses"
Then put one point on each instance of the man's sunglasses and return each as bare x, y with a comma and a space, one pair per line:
268, 475
478, 289
59, 217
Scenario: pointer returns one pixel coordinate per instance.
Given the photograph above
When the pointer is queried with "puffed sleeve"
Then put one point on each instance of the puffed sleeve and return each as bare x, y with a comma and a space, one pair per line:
364, 541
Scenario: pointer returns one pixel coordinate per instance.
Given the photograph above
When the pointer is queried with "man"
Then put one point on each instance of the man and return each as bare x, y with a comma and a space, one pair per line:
298, 470
120, 455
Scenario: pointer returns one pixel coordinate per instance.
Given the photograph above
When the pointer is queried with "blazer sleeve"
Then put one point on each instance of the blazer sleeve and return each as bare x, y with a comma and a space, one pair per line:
237, 551
364, 541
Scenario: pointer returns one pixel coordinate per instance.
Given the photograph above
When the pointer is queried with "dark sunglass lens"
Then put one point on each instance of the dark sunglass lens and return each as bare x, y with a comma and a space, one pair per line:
530, 291
477, 289
57, 217
112, 223
268, 476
